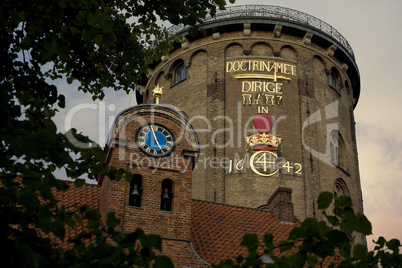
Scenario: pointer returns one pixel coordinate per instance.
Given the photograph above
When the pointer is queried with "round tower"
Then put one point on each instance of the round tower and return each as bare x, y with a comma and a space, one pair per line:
271, 93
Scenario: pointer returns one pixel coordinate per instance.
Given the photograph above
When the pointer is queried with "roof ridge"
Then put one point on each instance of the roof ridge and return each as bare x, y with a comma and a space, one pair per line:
85, 184
234, 206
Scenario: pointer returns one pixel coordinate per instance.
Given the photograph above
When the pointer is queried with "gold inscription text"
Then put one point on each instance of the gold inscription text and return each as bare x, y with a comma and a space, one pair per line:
260, 66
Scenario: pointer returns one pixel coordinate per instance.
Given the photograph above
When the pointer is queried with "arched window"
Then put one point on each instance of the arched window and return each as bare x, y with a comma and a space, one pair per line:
135, 191
331, 80
334, 147
338, 150
334, 80
179, 73
166, 195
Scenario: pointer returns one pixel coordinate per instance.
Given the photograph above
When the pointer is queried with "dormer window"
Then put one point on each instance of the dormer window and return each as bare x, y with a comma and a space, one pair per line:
179, 73
166, 195
135, 191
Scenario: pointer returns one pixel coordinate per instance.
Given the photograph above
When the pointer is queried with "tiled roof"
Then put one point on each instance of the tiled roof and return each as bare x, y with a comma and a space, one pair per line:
218, 229
75, 196
87, 194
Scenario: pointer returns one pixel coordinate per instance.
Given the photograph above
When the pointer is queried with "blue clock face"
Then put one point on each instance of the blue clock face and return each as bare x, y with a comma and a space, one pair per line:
155, 140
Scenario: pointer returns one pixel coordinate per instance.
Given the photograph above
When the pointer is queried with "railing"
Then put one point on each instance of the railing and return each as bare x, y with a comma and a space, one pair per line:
276, 12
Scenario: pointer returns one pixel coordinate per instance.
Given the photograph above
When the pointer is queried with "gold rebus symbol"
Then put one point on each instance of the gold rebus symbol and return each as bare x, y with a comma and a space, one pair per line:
264, 163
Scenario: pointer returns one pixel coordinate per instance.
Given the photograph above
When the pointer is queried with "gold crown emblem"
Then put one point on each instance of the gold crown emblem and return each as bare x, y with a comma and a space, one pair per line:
263, 139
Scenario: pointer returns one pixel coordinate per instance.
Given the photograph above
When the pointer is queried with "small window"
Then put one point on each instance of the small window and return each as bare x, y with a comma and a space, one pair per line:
166, 195
179, 73
338, 151
347, 87
332, 80
334, 152
135, 191
334, 148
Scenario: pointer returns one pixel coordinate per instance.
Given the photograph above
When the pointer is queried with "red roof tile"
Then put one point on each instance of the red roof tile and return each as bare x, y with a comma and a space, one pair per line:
88, 194
218, 229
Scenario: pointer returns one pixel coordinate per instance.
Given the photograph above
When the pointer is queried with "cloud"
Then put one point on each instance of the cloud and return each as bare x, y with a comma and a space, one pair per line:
92, 118
380, 159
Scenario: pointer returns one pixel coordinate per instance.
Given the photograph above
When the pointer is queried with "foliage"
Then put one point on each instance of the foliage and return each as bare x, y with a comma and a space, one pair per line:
328, 243
100, 44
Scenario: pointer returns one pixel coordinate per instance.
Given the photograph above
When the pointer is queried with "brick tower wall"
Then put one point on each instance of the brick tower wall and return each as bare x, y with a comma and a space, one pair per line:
310, 115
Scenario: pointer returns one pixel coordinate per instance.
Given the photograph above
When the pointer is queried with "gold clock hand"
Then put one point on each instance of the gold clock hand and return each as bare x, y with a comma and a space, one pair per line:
157, 142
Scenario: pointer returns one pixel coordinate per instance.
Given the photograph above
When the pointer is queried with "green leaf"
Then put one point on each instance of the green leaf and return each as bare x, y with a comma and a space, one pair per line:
362, 225
86, 36
297, 260
337, 237
285, 245
103, 251
109, 39
311, 227
324, 248
343, 201
62, 101
380, 242
296, 233
324, 200
79, 182
74, 31
345, 252
106, 23
44, 219
250, 241
360, 252
239, 259
312, 260
57, 228
70, 222
268, 241
92, 215
152, 241
394, 245
119, 174
163, 262
347, 227
70, 80
253, 260
28, 199
111, 220
333, 220
98, 39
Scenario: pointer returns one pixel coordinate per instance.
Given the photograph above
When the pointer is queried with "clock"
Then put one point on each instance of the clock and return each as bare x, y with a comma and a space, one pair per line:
155, 140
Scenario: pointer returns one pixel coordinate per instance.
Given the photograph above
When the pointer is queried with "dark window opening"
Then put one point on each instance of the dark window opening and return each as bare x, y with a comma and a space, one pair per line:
166, 195
331, 80
179, 73
338, 151
135, 191
334, 152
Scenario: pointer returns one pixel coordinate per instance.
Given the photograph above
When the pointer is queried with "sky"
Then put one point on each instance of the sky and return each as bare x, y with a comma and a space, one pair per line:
373, 29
